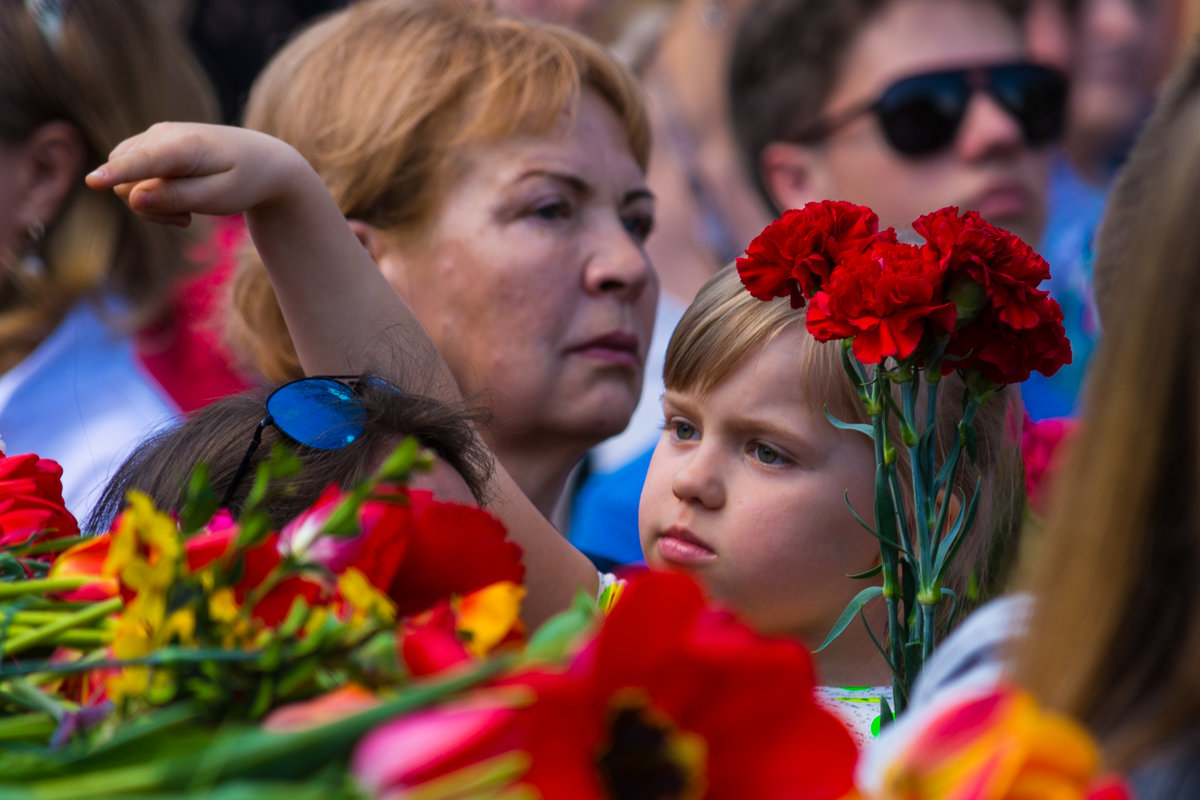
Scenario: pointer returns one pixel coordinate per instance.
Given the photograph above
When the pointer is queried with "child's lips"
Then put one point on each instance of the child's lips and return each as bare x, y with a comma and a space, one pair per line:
681, 547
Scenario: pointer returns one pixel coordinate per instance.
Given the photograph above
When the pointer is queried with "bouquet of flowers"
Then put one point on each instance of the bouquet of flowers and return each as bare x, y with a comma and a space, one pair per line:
373, 645
967, 301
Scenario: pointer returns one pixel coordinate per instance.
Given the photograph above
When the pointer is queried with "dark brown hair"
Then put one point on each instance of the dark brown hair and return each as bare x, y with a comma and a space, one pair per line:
219, 434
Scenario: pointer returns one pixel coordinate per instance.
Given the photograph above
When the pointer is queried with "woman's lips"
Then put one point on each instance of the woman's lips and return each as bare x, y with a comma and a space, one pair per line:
616, 348
681, 547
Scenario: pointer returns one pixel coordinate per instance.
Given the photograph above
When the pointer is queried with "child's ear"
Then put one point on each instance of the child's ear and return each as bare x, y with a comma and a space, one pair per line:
793, 174
383, 252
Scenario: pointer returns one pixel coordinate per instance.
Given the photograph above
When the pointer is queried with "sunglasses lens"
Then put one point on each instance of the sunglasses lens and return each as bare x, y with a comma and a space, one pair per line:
318, 412
1036, 96
920, 115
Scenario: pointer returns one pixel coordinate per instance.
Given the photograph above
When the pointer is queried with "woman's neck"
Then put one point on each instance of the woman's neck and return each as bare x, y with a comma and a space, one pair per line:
541, 471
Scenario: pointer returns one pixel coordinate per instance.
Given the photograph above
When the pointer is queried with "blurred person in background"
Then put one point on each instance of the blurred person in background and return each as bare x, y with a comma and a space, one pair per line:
81, 273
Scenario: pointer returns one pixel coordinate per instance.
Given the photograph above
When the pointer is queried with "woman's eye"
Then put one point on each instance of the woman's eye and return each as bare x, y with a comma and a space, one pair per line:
767, 454
552, 212
639, 226
684, 430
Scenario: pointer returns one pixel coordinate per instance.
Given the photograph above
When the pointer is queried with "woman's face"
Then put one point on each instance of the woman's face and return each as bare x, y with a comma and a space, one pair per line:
534, 282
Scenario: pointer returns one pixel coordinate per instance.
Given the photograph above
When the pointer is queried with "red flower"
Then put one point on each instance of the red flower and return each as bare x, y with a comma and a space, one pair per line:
418, 550
796, 254
453, 550
671, 698
886, 299
258, 561
385, 531
1007, 269
31, 501
1004, 354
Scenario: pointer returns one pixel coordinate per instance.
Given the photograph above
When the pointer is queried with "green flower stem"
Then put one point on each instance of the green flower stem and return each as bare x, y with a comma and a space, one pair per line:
885, 523
46, 633
86, 639
41, 585
50, 546
33, 617
35, 726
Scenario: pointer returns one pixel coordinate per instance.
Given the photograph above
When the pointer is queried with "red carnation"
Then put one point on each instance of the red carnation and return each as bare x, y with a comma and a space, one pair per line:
1006, 354
1008, 270
886, 299
31, 501
796, 254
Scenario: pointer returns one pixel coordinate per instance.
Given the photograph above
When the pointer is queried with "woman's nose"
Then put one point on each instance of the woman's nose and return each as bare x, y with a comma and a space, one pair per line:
619, 264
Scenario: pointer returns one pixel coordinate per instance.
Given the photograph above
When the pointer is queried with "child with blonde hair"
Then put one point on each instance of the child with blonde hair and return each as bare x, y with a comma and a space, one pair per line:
748, 486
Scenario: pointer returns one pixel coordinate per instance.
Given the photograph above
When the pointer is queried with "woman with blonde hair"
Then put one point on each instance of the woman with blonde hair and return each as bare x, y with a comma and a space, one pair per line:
494, 170
1115, 635
80, 272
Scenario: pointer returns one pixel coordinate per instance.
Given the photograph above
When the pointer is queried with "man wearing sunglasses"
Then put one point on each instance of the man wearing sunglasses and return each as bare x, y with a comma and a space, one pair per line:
903, 105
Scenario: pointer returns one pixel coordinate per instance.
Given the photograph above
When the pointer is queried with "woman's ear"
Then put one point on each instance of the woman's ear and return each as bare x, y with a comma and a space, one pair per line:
53, 160
384, 252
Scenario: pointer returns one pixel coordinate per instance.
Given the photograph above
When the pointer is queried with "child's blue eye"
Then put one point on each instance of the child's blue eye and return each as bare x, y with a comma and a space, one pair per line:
684, 430
767, 454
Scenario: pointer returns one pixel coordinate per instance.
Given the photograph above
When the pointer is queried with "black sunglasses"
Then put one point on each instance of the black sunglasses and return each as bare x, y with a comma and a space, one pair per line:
325, 412
920, 115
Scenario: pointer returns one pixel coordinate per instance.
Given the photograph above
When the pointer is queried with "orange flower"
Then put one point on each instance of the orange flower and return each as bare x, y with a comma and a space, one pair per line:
995, 746
86, 560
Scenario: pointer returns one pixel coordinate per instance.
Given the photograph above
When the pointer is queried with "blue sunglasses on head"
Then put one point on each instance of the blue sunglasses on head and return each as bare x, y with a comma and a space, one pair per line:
324, 412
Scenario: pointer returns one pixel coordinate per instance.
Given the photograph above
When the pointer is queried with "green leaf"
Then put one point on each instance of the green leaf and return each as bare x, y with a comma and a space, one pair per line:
200, 501
409, 454
558, 634
949, 546
871, 573
862, 522
855, 605
862, 428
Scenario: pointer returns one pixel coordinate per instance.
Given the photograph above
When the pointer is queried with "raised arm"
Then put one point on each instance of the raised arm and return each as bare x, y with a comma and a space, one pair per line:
342, 314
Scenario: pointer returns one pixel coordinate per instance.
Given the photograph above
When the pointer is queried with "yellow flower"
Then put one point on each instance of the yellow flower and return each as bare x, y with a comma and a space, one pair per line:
146, 550
486, 616
364, 599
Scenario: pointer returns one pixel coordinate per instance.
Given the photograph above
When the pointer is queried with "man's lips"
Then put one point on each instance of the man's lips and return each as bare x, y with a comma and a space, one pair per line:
617, 347
680, 546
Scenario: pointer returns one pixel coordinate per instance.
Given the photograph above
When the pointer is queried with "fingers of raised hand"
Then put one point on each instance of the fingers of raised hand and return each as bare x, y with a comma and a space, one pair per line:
165, 150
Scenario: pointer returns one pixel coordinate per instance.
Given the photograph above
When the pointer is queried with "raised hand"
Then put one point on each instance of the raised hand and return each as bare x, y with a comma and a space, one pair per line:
174, 170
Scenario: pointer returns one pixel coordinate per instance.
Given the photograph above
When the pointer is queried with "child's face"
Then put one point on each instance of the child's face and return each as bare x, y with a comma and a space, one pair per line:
746, 491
